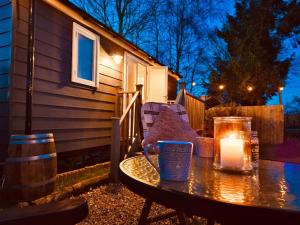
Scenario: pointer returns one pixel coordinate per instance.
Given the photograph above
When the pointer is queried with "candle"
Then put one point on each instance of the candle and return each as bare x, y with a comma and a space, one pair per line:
232, 152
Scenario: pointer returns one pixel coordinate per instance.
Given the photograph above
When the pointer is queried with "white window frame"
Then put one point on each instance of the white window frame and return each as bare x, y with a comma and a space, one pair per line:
77, 29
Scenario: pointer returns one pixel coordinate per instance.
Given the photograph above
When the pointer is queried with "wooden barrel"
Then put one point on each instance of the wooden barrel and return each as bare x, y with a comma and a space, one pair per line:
31, 166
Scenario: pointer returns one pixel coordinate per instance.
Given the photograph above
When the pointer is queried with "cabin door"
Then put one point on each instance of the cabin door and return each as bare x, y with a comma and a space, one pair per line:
153, 78
157, 84
136, 73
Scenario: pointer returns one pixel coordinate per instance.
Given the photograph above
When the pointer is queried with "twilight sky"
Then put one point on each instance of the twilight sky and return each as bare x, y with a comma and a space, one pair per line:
292, 87
215, 19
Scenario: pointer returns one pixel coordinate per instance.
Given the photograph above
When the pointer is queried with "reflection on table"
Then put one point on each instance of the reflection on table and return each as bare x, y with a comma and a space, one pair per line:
273, 185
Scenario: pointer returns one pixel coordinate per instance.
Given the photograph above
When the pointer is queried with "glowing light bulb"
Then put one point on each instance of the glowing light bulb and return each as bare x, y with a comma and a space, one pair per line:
117, 58
249, 88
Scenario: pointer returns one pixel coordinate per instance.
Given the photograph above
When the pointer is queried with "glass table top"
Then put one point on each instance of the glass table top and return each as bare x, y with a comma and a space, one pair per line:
274, 184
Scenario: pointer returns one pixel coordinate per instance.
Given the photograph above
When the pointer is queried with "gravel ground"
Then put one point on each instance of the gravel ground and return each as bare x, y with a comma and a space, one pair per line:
114, 204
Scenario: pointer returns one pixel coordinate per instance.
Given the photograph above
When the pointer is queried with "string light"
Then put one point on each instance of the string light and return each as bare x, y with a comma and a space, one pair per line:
194, 83
281, 88
250, 88
221, 86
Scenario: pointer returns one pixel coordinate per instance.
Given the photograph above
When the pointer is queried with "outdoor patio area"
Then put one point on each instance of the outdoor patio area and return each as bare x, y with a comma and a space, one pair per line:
134, 112
115, 204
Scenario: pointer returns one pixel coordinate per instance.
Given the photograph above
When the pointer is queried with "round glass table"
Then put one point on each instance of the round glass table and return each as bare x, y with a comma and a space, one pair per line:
269, 195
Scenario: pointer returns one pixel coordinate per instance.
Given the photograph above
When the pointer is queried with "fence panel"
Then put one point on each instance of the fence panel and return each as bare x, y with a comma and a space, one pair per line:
195, 110
267, 120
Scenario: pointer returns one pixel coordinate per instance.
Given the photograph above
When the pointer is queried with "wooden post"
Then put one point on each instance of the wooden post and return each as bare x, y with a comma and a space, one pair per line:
182, 94
280, 96
118, 102
115, 149
139, 88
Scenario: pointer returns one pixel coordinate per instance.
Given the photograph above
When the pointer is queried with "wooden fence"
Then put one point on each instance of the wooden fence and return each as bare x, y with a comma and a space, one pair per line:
267, 120
195, 110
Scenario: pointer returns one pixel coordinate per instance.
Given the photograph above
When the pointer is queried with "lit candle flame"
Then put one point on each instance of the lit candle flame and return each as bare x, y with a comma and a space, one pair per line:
232, 136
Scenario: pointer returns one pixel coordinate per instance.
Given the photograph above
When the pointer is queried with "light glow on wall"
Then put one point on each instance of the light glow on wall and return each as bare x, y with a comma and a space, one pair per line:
117, 58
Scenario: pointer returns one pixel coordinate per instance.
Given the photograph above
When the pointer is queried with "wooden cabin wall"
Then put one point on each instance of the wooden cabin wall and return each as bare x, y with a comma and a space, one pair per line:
79, 117
5, 63
172, 88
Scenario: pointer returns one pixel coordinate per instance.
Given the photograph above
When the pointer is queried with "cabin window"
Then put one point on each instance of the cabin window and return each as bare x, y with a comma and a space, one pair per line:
84, 56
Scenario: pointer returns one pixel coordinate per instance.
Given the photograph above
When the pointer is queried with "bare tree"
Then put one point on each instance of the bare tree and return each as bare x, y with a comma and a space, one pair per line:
126, 17
100, 9
177, 33
156, 24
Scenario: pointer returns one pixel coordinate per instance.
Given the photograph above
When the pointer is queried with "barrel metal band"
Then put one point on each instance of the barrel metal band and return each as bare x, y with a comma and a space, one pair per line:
30, 158
33, 136
15, 142
35, 184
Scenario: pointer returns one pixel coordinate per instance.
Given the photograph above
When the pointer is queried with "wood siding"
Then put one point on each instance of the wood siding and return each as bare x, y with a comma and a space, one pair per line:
5, 64
79, 116
267, 120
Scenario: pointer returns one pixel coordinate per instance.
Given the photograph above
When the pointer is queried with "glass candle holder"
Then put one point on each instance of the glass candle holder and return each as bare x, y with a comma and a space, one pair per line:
232, 150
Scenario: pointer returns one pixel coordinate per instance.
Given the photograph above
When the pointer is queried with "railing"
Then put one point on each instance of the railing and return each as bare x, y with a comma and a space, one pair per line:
195, 108
126, 130
123, 99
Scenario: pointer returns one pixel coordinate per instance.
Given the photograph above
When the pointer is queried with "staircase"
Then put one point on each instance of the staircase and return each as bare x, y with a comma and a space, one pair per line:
126, 128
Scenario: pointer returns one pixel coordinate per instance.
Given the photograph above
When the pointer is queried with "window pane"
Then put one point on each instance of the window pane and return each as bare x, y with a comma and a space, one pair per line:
85, 57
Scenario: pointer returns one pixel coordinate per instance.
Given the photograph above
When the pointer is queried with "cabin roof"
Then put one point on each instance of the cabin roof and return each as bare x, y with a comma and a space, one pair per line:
92, 19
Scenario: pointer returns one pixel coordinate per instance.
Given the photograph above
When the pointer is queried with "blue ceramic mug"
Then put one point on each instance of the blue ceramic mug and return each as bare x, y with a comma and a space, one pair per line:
174, 159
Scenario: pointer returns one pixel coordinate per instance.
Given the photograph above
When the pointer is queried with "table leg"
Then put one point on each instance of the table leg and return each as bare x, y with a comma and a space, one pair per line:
162, 217
182, 218
145, 212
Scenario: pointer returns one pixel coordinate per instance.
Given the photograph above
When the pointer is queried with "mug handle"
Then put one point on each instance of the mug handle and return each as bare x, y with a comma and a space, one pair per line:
156, 150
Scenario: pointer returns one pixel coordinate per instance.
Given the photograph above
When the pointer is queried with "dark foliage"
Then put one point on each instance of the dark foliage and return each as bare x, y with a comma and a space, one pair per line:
251, 72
